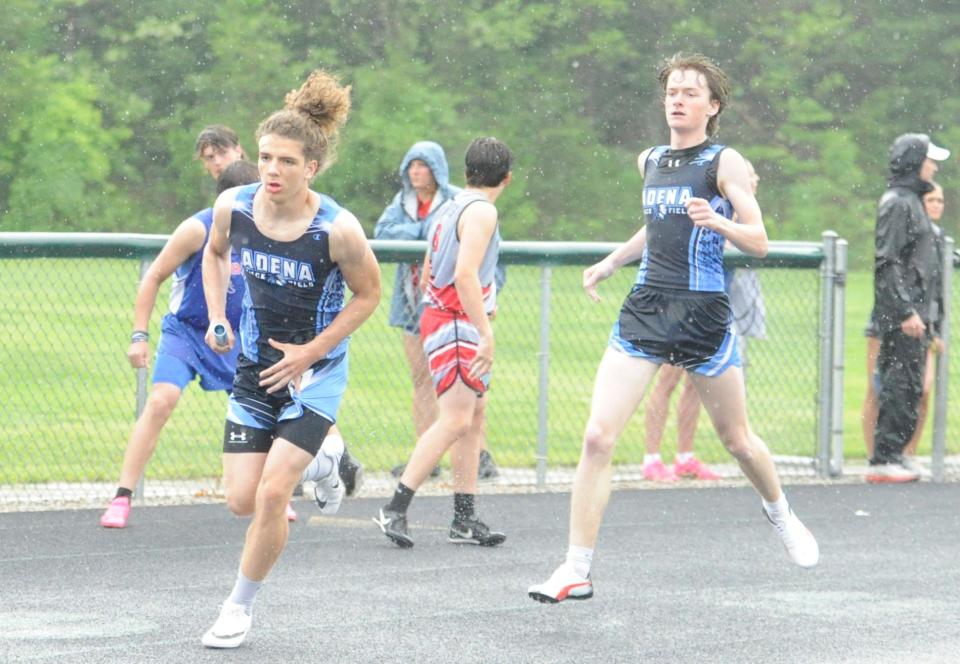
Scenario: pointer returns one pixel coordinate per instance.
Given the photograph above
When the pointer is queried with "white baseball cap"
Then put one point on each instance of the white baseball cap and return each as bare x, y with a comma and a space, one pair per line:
937, 153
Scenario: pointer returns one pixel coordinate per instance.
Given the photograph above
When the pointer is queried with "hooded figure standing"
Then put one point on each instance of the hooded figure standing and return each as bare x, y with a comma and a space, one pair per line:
426, 188
905, 300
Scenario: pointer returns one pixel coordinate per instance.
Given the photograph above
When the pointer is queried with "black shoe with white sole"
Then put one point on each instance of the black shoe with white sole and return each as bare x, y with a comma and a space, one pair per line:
474, 531
394, 526
351, 472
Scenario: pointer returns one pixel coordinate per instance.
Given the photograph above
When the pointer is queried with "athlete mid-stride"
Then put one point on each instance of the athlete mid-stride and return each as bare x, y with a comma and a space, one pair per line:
299, 251
677, 313
182, 354
461, 260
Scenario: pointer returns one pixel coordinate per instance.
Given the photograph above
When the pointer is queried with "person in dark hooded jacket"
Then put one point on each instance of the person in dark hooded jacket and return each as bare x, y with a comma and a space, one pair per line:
905, 300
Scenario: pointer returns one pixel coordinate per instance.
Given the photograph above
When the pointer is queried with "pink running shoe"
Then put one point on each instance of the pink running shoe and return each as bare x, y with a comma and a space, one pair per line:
118, 511
291, 513
656, 471
694, 469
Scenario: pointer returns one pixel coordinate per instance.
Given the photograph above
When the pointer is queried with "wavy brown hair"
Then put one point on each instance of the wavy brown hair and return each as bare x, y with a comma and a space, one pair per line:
217, 136
717, 80
312, 115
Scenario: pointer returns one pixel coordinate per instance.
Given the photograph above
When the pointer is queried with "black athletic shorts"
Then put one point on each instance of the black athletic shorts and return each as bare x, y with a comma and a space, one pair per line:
255, 417
689, 329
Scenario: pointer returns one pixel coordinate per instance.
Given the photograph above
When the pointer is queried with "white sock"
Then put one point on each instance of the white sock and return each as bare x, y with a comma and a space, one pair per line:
683, 457
326, 461
333, 446
580, 558
650, 458
244, 592
779, 510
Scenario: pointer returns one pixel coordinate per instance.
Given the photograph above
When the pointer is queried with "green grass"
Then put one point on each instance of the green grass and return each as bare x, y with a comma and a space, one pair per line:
69, 394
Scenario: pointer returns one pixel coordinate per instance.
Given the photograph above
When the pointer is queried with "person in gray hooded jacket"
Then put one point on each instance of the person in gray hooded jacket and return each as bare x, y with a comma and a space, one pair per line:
425, 177
904, 300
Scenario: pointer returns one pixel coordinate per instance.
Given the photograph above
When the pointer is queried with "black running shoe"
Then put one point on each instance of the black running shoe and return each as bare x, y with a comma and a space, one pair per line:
351, 472
487, 470
474, 531
397, 471
394, 526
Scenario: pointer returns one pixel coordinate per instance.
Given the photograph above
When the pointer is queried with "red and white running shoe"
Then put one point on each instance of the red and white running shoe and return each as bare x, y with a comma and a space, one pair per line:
891, 473
563, 584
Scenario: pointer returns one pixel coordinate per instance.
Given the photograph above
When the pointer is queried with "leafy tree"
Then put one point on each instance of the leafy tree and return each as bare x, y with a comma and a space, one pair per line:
101, 101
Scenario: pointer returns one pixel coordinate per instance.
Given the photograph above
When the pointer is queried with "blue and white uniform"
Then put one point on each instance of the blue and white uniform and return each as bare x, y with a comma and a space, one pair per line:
677, 311
294, 291
182, 353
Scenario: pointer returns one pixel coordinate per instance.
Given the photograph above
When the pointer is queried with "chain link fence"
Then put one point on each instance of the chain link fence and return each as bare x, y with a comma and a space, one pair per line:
70, 397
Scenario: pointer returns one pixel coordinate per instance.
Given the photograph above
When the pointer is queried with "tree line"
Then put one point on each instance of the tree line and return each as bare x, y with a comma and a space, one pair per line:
101, 101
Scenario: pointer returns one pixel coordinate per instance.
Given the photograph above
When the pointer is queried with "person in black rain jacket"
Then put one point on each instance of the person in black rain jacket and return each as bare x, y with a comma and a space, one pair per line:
904, 300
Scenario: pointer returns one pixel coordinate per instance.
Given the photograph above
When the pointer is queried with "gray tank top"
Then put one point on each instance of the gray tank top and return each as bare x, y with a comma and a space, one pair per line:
444, 249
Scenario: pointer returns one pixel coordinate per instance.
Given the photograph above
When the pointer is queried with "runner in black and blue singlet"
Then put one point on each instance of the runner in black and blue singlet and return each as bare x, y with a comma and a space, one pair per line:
294, 291
299, 251
678, 311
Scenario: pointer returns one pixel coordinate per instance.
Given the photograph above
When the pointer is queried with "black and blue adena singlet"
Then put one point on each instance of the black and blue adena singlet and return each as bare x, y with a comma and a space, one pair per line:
678, 311
679, 254
294, 289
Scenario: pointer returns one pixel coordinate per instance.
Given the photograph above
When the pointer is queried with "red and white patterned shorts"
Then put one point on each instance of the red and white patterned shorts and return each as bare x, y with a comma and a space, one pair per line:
450, 342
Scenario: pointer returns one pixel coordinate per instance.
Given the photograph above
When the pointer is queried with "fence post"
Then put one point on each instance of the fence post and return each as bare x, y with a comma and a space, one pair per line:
825, 400
141, 382
839, 316
937, 461
543, 392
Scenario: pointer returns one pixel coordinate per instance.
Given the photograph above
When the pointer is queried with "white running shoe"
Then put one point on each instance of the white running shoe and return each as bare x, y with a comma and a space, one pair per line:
892, 473
563, 584
329, 492
799, 542
230, 629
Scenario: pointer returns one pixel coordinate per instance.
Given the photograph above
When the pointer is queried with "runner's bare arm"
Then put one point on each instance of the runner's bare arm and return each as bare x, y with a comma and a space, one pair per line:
216, 270
733, 179
627, 252
477, 225
184, 242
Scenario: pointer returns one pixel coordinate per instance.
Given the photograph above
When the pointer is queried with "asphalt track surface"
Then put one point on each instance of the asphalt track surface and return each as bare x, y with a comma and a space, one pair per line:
681, 575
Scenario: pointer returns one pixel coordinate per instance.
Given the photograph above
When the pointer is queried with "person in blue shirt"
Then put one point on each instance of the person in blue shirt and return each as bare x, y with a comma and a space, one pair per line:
182, 354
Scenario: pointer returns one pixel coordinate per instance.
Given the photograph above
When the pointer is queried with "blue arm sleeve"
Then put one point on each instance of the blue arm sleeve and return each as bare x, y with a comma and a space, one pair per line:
395, 224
